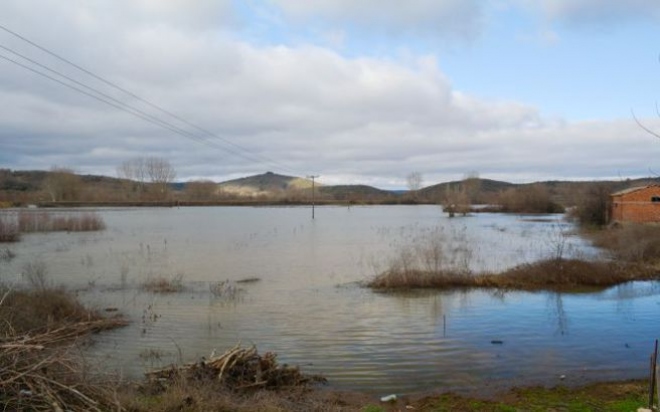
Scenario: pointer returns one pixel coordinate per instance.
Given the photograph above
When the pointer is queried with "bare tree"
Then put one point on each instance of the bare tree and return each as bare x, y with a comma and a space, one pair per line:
201, 190
161, 173
414, 182
134, 172
456, 200
62, 184
155, 170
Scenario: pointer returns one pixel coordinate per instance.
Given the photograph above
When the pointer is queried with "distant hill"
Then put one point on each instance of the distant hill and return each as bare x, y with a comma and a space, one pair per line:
35, 186
267, 184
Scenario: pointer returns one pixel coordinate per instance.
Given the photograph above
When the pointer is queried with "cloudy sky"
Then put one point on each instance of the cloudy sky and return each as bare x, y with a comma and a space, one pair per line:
359, 91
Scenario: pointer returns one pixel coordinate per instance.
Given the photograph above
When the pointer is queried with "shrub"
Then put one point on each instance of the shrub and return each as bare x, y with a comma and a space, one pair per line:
593, 205
434, 257
528, 199
34, 311
631, 242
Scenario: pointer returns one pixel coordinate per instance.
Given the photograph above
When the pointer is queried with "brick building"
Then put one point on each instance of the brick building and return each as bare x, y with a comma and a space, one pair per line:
637, 204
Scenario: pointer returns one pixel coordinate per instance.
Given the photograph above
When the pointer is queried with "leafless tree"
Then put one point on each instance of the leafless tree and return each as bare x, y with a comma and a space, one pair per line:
134, 172
414, 181
456, 200
201, 190
155, 170
62, 184
161, 173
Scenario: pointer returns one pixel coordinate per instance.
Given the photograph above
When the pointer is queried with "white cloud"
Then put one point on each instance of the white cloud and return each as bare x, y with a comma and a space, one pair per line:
310, 109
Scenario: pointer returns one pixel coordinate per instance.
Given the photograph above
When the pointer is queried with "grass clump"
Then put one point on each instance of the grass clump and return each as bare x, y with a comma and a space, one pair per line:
41, 221
162, 284
556, 274
431, 263
568, 274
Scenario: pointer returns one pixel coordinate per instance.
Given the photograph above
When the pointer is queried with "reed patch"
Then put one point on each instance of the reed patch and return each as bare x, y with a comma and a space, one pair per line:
13, 223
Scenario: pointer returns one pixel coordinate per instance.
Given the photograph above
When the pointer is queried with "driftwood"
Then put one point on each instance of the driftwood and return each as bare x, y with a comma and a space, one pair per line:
237, 369
44, 372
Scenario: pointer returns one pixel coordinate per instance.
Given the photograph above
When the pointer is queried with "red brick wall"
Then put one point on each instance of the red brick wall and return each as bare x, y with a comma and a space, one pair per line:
636, 206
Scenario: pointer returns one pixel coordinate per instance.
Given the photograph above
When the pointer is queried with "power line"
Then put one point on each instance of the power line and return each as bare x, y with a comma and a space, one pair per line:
107, 99
239, 150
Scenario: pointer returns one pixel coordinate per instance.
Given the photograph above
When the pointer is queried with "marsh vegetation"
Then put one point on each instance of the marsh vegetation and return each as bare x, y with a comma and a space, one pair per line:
13, 223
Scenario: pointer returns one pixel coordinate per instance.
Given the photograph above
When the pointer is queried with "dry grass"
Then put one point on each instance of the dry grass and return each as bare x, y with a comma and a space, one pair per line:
551, 274
162, 284
45, 372
38, 311
211, 396
569, 274
40, 363
629, 242
42, 221
416, 278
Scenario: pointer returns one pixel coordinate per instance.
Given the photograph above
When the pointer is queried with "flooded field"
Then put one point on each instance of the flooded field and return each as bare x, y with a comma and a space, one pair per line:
302, 297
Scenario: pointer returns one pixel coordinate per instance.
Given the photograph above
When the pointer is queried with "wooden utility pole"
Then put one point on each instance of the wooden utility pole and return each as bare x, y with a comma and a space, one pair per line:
313, 197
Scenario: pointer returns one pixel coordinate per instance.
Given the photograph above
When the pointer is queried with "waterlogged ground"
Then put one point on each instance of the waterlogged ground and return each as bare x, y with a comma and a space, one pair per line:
308, 306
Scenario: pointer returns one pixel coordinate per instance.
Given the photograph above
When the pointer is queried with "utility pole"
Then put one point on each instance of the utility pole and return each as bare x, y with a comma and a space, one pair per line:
313, 198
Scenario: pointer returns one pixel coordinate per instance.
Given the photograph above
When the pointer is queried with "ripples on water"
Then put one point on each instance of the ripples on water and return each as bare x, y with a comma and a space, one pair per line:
309, 309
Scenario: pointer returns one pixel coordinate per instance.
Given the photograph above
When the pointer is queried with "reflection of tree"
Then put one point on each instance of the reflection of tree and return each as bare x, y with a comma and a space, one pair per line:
556, 302
625, 293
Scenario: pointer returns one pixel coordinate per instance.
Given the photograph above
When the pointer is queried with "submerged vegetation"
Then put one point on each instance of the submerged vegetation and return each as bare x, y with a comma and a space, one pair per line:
52, 222
634, 255
12, 224
162, 284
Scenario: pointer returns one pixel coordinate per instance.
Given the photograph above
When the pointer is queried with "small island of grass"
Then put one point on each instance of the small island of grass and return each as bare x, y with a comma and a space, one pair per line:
632, 253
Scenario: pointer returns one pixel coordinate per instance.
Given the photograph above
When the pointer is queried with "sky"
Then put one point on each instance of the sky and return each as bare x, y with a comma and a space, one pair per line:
356, 92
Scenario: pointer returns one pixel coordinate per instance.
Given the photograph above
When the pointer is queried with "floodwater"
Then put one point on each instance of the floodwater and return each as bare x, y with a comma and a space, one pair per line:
309, 307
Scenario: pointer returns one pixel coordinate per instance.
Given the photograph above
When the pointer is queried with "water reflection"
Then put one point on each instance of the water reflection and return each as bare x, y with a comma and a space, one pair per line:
556, 305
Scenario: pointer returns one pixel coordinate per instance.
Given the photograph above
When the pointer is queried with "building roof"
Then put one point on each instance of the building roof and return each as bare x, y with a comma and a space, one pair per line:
632, 189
